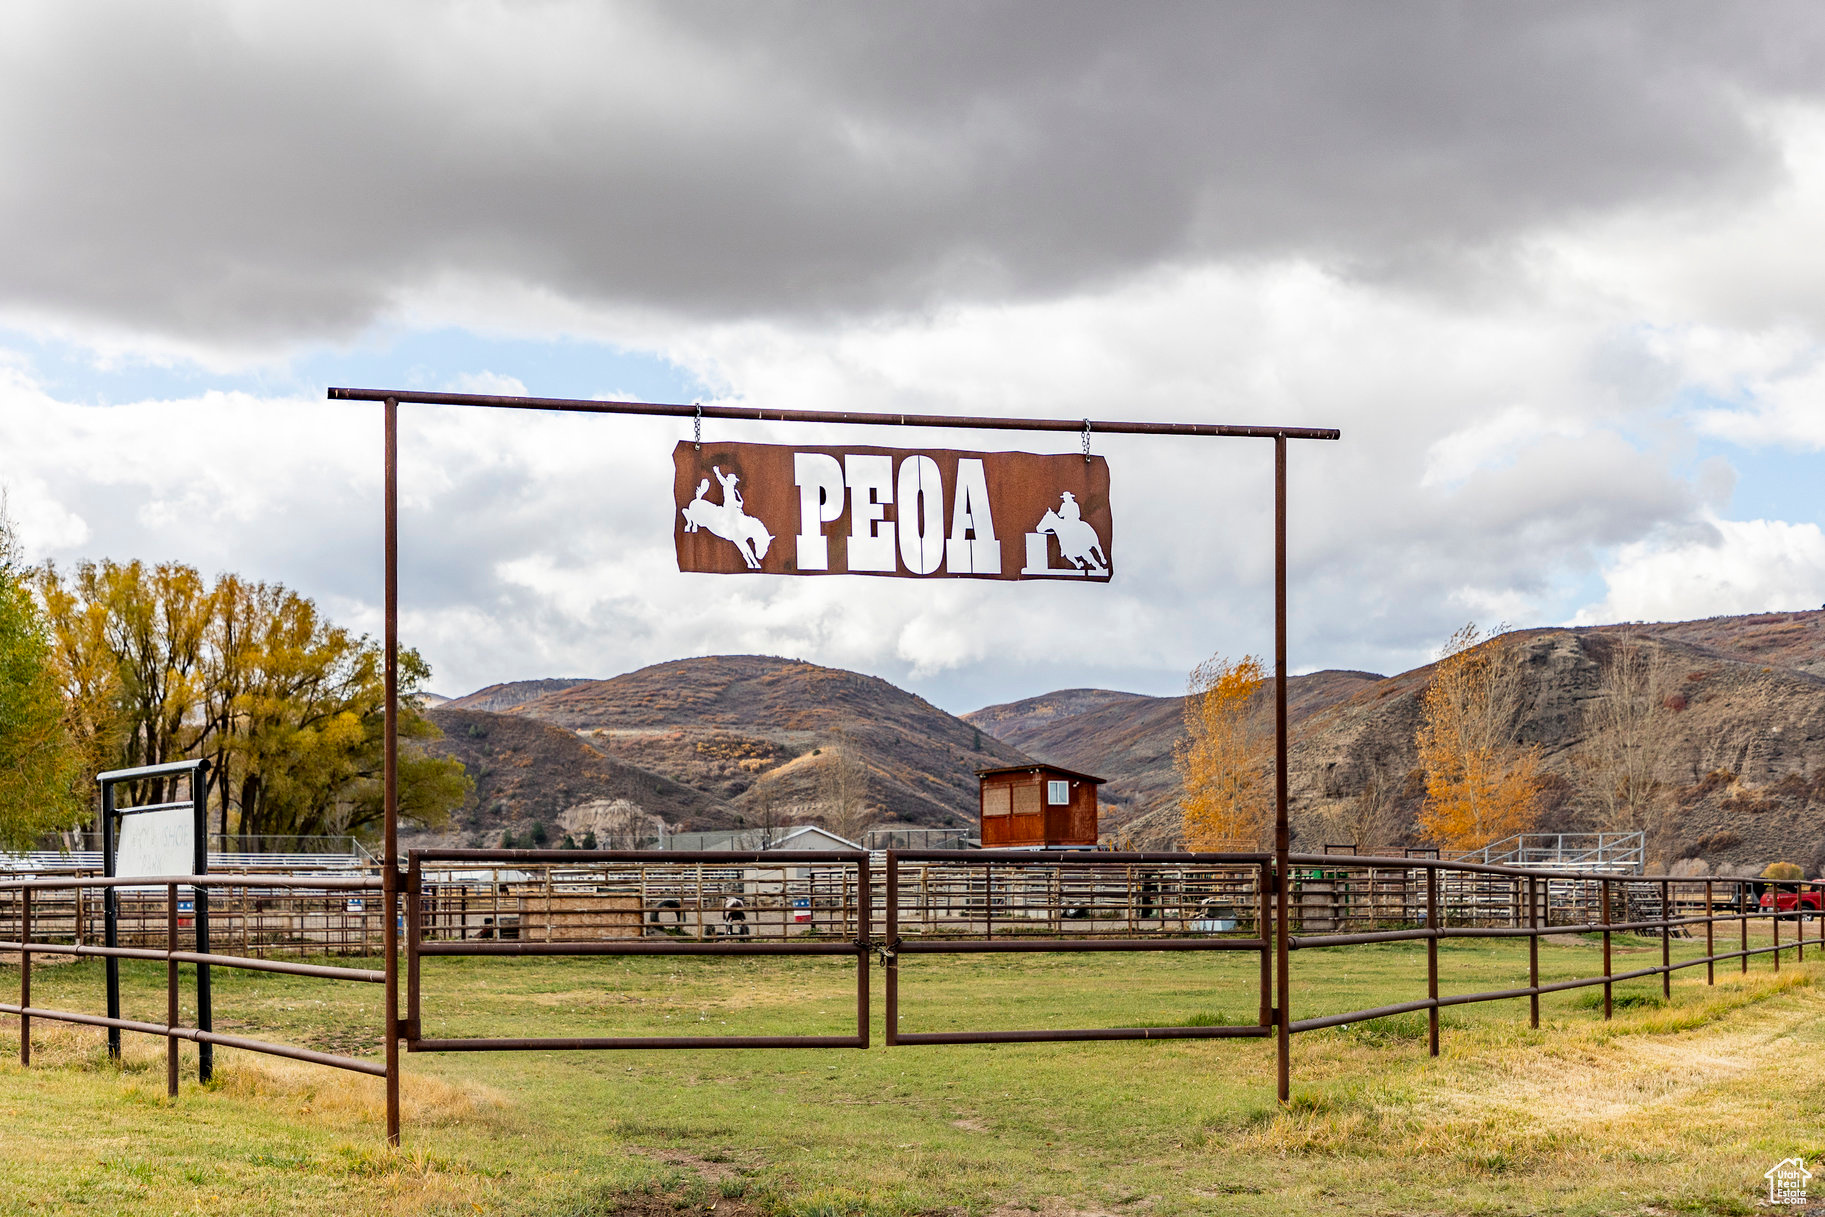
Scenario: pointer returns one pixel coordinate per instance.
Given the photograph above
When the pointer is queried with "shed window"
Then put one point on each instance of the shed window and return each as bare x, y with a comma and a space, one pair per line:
1058, 794
997, 800
1026, 800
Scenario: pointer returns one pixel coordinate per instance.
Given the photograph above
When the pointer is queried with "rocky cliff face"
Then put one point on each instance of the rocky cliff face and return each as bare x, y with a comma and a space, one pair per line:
1741, 721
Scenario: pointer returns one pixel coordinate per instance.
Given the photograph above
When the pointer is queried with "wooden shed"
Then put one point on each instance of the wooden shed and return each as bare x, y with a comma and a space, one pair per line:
1037, 807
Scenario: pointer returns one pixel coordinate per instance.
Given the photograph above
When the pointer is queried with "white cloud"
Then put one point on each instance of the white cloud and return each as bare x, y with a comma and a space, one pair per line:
536, 544
1719, 568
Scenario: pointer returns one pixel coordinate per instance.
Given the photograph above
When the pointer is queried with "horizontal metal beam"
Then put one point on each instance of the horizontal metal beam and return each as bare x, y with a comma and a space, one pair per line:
1075, 857
987, 946
638, 946
372, 1068
503, 857
1369, 862
591, 1043
1091, 1034
248, 963
570, 405
291, 883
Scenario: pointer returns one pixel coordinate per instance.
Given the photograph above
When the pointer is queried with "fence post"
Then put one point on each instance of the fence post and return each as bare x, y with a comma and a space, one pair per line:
864, 915
1432, 928
110, 905
171, 990
1264, 914
891, 957
1666, 942
1742, 923
25, 974
414, 931
1710, 938
389, 892
1533, 951
1799, 922
1607, 987
1774, 910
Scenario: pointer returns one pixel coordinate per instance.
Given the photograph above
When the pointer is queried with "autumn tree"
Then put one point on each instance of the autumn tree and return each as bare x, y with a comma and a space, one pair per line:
41, 765
1225, 758
288, 707
1625, 742
843, 788
1370, 822
1482, 784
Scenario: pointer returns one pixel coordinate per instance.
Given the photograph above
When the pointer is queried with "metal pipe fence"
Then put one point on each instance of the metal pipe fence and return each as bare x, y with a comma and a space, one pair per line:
536, 903
155, 910
635, 902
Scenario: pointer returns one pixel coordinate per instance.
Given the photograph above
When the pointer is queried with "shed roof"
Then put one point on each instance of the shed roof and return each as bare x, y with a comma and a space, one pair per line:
1039, 767
803, 836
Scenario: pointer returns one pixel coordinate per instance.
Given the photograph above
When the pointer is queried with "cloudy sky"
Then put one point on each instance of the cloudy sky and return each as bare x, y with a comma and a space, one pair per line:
1556, 270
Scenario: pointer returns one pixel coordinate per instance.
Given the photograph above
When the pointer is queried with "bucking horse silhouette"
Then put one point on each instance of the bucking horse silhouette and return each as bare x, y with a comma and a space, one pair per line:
728, 519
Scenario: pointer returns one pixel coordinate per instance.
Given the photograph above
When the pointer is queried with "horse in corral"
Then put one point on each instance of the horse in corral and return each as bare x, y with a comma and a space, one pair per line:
1077, 541
730, 522
734, 917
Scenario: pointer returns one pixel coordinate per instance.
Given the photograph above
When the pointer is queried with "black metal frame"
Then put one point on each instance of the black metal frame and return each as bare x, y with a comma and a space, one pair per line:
196, 772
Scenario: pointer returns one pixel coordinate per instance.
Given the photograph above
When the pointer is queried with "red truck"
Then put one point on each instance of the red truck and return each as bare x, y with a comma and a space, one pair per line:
1812, 900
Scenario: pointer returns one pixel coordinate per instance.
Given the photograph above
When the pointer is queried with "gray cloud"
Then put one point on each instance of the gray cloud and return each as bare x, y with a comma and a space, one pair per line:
241, 174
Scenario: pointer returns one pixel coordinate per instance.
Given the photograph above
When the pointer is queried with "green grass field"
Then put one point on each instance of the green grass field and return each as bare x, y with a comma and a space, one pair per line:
1674, 1107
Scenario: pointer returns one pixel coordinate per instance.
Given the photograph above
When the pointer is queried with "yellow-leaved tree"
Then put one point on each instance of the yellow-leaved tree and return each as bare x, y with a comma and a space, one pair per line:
157, 664
1482, 784
1225, 759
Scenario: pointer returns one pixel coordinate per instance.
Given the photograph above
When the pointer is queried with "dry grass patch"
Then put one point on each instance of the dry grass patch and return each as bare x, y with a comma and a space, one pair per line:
1673, 1102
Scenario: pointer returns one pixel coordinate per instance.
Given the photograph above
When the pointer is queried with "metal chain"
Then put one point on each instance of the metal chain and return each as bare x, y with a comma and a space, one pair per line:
1086, 441
697, 428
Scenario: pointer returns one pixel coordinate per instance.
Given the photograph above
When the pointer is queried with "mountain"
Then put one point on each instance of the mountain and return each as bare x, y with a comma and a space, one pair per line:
1786, 640
503, 698
527, 772
755, 735
1129, 737
1741, 735
1740, 740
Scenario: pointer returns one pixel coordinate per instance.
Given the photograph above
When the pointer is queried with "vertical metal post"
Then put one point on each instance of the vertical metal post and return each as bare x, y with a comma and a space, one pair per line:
1533, 951
1607, 986
1432, 928
110, 904
891, 958
25, 974
199, 897
1742, 922
1666, 941
1264, 917
1799, 922
171, 989
390, 874
1774, 909
414, 932
1710, 937
864, 916
1282, 837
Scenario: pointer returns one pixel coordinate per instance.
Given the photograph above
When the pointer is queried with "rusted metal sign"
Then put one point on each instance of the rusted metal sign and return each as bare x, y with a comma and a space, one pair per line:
912, 513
